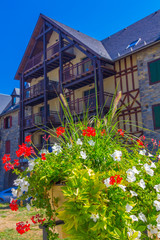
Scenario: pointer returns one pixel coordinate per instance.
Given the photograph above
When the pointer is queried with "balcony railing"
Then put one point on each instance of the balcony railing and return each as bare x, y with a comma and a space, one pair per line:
38, 89
38, 119
38, 58
88, 103
78, 70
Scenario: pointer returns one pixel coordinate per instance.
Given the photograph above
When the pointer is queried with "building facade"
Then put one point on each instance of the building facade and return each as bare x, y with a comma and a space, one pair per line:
9, 137
59, 59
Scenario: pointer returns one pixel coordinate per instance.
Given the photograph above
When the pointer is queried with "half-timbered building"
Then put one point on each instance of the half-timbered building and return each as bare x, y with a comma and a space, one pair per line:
60, 59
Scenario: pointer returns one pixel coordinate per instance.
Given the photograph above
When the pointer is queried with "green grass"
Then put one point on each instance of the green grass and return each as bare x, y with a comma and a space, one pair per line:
11, 234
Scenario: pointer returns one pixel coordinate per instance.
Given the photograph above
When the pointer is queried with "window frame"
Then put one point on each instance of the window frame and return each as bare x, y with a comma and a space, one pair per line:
149, 73
155, 105
7, 152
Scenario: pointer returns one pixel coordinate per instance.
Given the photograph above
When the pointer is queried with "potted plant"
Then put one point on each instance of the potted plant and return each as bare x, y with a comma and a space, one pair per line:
110, 182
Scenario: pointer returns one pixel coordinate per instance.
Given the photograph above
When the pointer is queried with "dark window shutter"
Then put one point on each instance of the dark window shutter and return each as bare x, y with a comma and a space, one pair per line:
154, 68
10, 121
4, 122
7, 147
156, 116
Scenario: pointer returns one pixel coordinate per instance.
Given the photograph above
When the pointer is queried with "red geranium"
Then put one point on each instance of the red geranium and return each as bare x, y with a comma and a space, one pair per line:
60, 131
16, 162
24, 150
140, 143
8, 166
36, 219
13, 205
28, 138
6, 158
115, 179
22, 227
89, 131
43, 156
121, 132
112, 180
103, 132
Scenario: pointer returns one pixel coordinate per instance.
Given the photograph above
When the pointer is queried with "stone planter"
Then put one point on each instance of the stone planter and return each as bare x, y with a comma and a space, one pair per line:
56, 200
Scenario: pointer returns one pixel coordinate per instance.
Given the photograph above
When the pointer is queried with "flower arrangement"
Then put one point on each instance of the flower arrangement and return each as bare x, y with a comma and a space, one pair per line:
112, 182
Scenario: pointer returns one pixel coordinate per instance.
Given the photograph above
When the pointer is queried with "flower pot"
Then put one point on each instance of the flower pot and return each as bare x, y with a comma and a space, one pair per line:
56, 200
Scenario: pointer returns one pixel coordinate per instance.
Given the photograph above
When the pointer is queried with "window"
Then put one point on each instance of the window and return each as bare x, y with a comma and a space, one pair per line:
8, 122
7, 147
13, 100
154, 71
156, 116
133, 44
87, 65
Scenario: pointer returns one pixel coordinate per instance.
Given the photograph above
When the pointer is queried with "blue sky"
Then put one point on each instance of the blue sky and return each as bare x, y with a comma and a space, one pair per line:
99, 19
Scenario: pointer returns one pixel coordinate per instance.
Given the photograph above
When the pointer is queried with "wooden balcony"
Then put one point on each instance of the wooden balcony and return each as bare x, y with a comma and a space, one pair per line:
78, 71
35, 93
37, 120
88, 103
34, 65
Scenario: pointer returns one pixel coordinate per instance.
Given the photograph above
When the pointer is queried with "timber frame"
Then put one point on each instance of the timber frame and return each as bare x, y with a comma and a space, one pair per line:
97, 73
39, 61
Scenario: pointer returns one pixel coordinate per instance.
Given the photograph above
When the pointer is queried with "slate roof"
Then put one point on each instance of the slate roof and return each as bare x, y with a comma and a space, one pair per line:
93, 44
4, 100
9, 107
148, 29
16, 92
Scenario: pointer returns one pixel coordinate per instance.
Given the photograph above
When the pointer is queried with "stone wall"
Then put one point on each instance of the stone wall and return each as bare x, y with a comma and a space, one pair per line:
12, 134
149, 94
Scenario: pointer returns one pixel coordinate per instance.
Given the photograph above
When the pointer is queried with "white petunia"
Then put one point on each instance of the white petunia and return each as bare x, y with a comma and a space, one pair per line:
157, 205
31, 165
17, 182
107, 182
43, 151
117, 155
139, 162
56, 149
158, 219
142, 217
69, 145
158, 226
122, 187
157, 187
158, 234
150, 155
135, 170
131, 232
14, 192
142, 152
153, 165
24, 186
158, 196
148, 170
130, 175
142, 184
28, 207
152, 228
134, 218
133, 193
128, 208
83, 154
95, 217
79, 142
91, 143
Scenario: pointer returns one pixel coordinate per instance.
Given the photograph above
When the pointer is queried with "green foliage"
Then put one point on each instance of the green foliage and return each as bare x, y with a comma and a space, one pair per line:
95, 207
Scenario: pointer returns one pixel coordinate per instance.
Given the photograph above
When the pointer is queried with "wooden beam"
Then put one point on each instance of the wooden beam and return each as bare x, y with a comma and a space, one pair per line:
45, 76
44, 32
101, 88
60, 69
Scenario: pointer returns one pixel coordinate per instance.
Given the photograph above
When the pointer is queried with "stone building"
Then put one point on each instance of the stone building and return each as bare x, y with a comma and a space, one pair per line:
60, 59
9, 136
